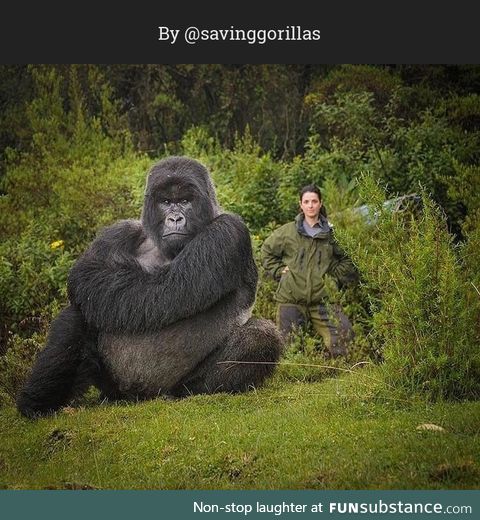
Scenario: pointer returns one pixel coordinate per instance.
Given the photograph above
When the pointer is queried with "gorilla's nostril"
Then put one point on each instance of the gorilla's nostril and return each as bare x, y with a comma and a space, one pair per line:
175, 218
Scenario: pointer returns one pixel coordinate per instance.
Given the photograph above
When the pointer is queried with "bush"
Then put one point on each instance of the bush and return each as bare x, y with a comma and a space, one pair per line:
15, 364
421, 300
245, 178
418, 306
33, 272
373, 123
79, 174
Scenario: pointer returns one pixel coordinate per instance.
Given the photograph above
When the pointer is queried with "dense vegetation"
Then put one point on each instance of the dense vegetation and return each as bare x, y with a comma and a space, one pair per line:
76, 142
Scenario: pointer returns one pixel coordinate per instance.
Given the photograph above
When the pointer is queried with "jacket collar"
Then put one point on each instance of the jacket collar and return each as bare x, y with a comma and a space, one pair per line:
325, 227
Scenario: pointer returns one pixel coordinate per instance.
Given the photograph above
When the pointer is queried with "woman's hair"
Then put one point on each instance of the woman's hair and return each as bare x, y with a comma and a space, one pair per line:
312, 188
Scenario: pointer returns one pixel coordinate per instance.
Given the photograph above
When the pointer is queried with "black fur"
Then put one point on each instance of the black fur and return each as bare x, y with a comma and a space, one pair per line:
160, 305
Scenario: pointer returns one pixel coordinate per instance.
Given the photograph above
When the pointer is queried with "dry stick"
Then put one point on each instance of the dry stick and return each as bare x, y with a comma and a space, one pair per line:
475, 287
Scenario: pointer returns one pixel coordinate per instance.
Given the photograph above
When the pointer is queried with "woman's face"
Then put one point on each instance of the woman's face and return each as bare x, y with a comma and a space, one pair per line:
310, 205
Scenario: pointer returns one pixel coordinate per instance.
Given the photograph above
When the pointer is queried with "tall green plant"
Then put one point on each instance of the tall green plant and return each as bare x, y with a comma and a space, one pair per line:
421, 312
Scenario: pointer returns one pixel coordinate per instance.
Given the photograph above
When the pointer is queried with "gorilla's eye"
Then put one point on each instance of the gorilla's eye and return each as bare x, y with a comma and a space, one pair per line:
166, 201
184, 201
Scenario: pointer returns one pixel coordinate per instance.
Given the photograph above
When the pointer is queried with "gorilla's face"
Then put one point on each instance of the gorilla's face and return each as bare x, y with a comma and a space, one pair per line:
179, 203
175, 203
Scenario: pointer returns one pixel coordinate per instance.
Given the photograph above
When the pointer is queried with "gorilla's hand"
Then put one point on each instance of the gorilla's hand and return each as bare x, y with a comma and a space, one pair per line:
116, 295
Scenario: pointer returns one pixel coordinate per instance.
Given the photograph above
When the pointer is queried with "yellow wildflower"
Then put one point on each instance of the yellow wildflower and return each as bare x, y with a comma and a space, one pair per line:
56, 244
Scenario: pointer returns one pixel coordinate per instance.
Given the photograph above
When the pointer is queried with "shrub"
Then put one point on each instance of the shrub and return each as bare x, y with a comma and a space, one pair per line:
78, 175
420, 295
15, 364
246, 179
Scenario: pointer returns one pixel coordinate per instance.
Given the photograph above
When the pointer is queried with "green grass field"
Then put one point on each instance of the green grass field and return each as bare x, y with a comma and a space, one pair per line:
333, 434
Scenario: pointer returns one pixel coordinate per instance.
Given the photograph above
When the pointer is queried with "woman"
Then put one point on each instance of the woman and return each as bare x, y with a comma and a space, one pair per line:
300, 255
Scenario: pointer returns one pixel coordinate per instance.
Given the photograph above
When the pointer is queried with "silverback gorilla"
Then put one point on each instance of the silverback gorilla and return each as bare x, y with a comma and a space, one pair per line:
159, 306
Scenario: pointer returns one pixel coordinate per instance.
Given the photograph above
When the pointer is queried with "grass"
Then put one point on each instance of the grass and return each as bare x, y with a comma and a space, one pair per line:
334, 434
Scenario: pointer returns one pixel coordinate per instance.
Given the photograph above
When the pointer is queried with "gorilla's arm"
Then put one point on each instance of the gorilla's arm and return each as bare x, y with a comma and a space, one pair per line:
116, 295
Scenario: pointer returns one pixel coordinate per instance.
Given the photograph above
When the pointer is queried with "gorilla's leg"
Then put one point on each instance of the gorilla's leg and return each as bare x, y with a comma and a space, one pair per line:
62, 370
249, 356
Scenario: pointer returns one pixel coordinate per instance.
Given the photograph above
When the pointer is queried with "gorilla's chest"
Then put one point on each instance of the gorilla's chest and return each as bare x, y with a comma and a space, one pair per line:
149, 256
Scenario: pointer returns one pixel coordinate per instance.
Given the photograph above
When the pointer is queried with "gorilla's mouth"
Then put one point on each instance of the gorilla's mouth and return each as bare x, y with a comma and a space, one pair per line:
174, 233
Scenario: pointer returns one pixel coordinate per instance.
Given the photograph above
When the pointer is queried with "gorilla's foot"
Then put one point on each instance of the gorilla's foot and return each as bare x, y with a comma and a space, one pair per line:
32, 408
250, 356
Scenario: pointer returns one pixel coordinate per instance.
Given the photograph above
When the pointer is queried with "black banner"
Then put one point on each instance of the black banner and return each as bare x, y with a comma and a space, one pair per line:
211, 32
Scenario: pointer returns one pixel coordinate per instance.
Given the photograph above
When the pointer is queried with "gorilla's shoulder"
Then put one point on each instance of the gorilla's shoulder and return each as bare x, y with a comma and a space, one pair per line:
127, 234
233, 221
234, 218
129, 226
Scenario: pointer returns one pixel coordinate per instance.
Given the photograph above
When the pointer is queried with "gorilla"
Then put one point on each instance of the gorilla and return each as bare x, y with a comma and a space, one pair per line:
159, 306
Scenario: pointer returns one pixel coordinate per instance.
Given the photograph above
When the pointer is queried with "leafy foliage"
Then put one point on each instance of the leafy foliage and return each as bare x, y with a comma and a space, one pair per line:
79, 174
429, 335
72, 159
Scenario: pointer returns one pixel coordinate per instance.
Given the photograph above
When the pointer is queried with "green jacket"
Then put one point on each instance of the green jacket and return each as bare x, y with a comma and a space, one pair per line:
309, 260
